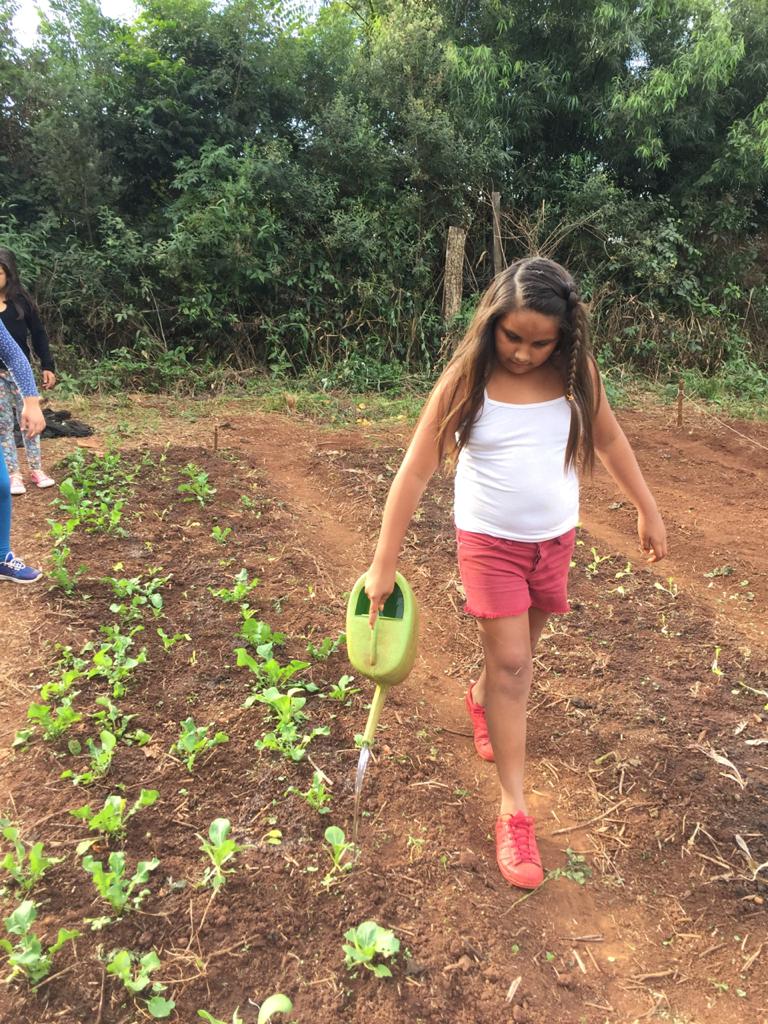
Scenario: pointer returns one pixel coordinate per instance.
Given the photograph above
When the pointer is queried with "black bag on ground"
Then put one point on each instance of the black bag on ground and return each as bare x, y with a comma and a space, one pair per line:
58, 423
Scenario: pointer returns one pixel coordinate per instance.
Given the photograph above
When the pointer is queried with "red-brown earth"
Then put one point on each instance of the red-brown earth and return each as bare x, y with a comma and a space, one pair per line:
631, 708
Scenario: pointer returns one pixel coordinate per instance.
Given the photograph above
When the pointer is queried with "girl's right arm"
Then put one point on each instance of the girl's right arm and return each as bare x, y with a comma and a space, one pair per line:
420, 462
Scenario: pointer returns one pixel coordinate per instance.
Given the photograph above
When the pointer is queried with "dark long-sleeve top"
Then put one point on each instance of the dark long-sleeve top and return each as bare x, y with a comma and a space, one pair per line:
19, 327
17, 363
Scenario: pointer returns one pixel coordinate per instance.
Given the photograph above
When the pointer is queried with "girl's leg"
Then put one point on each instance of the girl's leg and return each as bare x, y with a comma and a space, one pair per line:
7, 440
507, 683
31, 444
5, 511
537, 619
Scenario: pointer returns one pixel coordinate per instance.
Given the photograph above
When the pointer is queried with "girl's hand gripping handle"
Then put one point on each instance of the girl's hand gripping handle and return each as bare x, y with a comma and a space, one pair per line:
378, 586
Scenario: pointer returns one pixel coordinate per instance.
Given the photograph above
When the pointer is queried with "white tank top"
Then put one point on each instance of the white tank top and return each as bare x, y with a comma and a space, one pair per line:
510, 478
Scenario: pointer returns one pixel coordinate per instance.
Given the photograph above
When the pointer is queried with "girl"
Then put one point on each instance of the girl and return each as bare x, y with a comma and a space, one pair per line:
32, 422
520, 406
20, 317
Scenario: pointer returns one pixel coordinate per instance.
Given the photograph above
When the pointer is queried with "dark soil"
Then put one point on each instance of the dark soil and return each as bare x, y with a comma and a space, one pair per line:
642, 758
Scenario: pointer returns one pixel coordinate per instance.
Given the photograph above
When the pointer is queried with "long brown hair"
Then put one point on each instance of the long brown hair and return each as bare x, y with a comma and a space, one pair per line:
545, 287
15, 291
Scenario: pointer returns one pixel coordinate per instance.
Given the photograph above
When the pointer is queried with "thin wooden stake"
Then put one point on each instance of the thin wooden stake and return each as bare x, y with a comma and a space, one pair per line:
216, 438
680, 397
498, 252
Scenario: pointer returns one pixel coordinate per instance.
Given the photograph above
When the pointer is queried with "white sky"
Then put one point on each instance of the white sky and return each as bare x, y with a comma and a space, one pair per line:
26, 20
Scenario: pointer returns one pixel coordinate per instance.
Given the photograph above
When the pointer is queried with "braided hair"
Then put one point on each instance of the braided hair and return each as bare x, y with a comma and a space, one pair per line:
546, 287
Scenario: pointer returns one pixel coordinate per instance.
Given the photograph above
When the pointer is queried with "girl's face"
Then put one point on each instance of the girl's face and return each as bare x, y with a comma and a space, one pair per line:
525, 340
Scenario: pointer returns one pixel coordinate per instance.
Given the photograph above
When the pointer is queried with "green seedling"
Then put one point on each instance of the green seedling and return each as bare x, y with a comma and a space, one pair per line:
170, 641
277, 1003
326, 648
113, 661
248, 503
59, 573
220, 849
342, 691
111, 718
341, 853
285, 738
626, 571
54, 721
193, 741
317, 796
114, 886
715, 666
241, 589
597, 561
270, 674
220, 534
197, 486
576, 869
135, 595
259, 635
722, 570
27, 957
26, 865
671, 588
135, 973
112, 820
101, 760
366, 942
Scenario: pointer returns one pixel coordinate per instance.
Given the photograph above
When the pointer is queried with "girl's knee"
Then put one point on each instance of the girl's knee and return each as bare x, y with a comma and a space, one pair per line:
510, 670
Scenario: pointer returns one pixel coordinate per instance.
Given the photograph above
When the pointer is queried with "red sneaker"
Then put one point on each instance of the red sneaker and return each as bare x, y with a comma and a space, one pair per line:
479, 727
516, 852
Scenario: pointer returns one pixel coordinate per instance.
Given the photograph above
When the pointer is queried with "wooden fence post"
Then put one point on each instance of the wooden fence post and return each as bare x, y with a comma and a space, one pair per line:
453, 285
498, 252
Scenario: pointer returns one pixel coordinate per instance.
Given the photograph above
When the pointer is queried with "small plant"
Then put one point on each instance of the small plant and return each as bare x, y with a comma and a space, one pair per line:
135, 595
259, 635
59, 573
101, 760
135, 973
326, 648
341, 853
220, 534
364, 944
197, 486
576, 868
170, 641
26, 865
285, 737
597, 561
671, 588
271, 674
721, 570
317, 796
193, 741
111, 718
114, 886
239, 591
54, 721
220, 850
27, 957
112, 820
342, 691
277, 1003
715, 666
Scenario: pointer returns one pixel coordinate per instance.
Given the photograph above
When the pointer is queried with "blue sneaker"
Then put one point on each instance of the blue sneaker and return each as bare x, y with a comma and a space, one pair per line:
16, 571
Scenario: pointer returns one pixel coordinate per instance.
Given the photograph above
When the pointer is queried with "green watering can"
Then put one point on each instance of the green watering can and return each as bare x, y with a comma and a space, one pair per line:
387, 652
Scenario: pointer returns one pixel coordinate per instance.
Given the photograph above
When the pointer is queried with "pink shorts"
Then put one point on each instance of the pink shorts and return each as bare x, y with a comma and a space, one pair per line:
507, 577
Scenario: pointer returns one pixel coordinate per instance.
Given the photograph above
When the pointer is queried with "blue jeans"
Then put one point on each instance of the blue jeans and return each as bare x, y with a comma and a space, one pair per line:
5, 510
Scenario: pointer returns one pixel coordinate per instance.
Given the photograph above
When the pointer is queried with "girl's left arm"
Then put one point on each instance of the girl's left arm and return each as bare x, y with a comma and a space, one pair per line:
615, 452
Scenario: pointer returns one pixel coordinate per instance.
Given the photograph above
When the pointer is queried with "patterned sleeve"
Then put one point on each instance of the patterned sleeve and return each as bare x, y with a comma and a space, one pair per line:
17, 363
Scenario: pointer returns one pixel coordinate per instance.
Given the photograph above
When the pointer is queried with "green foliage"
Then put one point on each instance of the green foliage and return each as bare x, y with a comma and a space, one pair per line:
112, 820
114, 885
241, 589
27, 956
220, 849
193, 740
364, 943
26, 865
135, 972
196, 486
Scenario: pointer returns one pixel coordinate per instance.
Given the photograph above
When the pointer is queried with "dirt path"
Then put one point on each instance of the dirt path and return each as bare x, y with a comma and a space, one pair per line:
624, 711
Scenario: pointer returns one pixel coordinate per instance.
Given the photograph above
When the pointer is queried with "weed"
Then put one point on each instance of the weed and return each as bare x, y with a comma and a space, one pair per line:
193, 741
220, 534
197, 487
170, 641
220, 850
364, 943
27, 956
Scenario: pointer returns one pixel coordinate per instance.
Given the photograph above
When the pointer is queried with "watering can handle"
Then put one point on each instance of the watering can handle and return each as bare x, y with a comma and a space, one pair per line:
374, 638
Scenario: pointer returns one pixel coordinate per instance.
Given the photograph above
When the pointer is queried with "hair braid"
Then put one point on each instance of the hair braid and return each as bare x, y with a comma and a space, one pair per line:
574, 303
